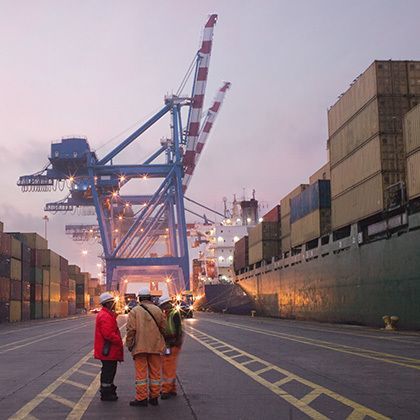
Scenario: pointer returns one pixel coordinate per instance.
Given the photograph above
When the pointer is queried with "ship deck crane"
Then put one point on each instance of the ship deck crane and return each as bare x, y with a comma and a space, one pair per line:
96, 183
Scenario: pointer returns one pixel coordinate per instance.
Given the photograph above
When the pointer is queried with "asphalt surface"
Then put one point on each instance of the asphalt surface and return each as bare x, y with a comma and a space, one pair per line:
231, 367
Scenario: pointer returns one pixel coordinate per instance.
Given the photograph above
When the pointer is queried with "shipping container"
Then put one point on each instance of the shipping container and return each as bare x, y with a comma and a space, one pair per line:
36, 292
241, 254
64, 278
64, 293
33, 240
15, 312
316, 196
45, 309
1, 227
264, 250
46, 293
36, 275
36, 310
15, 290
412, 130
359, 166
26, 253
413, 175
16, 248
5, 266
311, 226
49, 259
382, 117
264, 231
45, 277
64, 264
73, 270
5, 244
362, 201
322, 173
72, 308
273, 215
55, 276
54, 292
26, 291
55, 310
387, 78
4, 289
26, 310
15, 269
64, 309
4, 311
26, 272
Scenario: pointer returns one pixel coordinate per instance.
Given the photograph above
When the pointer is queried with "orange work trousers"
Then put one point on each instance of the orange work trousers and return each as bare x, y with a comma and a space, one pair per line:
169, 365
148, 367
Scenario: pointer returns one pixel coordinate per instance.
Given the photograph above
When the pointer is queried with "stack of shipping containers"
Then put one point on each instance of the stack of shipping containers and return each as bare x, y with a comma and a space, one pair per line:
366, 144
286, 243
50, 261
82, 287
264, 242
64, 287
310, 213
412, 148
94, 292
241, 254
72, 289
4, 279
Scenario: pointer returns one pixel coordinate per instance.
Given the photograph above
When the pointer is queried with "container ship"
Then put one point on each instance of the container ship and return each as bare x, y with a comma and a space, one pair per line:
344, 246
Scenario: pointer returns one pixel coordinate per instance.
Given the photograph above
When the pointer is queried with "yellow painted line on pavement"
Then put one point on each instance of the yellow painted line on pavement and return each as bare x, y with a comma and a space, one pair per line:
302, 404
42, 337
407, 362
79, 407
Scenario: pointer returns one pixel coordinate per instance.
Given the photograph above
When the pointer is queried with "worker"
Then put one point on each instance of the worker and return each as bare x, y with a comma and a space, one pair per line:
173, 340
145, 341
108, 347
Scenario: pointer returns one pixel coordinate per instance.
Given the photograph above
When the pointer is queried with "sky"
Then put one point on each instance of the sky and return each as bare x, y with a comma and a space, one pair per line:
97, 68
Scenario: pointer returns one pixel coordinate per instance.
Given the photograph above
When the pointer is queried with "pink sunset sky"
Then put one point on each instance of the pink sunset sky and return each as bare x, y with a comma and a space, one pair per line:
97, 67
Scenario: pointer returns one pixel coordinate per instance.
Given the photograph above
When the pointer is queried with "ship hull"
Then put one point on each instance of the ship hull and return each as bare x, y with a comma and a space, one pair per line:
359, 283
228, 298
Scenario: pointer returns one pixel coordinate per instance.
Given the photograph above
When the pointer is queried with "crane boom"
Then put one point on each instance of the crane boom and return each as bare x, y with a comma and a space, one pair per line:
204, 134
199, 89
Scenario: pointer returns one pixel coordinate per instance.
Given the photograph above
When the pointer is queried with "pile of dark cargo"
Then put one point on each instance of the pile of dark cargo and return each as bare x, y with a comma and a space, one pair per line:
36, 282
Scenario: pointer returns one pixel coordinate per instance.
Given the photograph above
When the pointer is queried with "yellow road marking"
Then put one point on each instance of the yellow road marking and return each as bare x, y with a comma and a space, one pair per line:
51, 335
275, 387
61, 400
48, 392
313, 395
356, 351
83, 372
76, 384
93, 364
263, 370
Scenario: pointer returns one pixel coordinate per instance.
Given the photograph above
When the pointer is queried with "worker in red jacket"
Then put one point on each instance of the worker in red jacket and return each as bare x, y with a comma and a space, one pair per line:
108, 346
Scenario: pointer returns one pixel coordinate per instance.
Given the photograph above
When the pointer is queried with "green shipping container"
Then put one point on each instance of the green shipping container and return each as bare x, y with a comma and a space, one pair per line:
36, 310
36, 275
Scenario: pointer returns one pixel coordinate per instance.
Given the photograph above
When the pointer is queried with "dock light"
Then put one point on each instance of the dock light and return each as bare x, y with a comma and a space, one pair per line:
178, 297
99, 265
191, 307
84, 252
120, 217
144, 177
71, 178
238, 220
125, 281
141, 230
178, 307
122, 178
90, 230
168, 280
260, 219
127, 204
117, 298
248, 220
235, 238
115, 194
228, 221
116, 230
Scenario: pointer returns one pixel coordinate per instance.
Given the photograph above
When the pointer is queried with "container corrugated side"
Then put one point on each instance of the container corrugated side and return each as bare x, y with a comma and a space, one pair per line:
273, 215
36, 275
54, 292
33, 240
413, 175
359, 166
15, 311
45, 309
360, 202
50, 259
73, 270
4, 311
285, 201
412, 130
16, 248
26, 311
263, 250
264, 231
55, 310
15, 269
241, 255
312, 226
4, 289
414, 77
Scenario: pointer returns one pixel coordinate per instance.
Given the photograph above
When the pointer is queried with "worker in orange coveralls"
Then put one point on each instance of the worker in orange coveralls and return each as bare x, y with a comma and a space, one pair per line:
173, 339
145, 325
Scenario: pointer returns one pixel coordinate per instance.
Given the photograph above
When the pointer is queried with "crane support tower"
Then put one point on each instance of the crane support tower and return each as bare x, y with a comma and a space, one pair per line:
131, 226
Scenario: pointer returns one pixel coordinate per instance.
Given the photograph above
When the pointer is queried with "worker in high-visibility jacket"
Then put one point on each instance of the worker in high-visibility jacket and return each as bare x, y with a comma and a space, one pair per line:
173, 340
145, 326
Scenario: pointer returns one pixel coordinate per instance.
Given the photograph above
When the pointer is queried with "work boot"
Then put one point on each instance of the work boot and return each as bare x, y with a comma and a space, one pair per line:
139, 403
154, 401
114, 390
165, 396
107, 394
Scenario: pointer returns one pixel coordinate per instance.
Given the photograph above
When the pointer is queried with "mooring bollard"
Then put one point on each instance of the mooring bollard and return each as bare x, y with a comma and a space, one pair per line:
390, 322
253, 313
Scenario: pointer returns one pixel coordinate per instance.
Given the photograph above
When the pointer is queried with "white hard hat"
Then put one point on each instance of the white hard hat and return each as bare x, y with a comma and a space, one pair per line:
105, 297
164, 300
144, 292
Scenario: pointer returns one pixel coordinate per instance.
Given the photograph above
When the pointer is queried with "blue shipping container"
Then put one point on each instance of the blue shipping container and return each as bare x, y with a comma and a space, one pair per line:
315, 196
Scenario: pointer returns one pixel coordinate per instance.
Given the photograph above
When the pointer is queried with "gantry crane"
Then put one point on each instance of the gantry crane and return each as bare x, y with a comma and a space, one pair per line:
129, 226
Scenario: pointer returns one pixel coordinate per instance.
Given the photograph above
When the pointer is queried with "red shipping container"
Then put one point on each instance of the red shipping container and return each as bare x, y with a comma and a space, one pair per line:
64, 293
15, 290
4, 289
5, 244
273, 215
36, 292
64, 278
